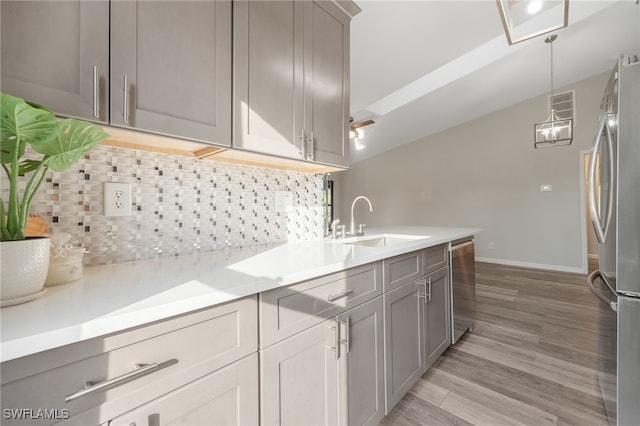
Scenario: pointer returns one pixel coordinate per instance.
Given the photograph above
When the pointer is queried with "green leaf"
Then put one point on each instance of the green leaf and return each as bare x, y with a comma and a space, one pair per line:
74, 140
27, 166
21, 124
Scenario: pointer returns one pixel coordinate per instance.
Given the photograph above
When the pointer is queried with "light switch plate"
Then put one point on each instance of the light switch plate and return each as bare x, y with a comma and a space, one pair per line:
284, 201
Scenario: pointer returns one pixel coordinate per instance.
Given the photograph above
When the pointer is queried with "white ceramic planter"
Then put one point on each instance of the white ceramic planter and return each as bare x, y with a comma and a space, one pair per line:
24, 265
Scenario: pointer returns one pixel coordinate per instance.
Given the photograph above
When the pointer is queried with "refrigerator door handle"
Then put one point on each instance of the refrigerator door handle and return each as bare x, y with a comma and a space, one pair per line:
590, 279
600, 230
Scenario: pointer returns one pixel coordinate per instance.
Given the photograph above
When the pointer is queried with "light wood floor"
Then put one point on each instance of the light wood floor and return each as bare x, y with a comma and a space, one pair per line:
530, 359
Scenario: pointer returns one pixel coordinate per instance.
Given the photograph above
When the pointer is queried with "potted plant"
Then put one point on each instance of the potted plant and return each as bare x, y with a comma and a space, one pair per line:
24, 261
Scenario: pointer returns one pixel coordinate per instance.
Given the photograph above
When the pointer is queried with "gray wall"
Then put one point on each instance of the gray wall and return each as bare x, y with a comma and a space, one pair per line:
486, 173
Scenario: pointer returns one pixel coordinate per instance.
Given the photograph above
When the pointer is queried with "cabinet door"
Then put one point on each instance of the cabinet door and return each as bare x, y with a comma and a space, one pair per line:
227, 397
437, 315
404, 341
299, 383
56, 53
171, 68
361, 364
268, 77
326, 73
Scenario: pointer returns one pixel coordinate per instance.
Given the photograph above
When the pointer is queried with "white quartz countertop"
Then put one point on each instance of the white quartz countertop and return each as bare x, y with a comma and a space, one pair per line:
113, 298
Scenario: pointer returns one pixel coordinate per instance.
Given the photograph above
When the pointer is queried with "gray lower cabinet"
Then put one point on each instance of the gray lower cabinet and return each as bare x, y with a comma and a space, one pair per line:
404, 337
306, 380
163, 366
291, 87
227, 397
298, 383
56, 53
437, 315
171, 68
361, 364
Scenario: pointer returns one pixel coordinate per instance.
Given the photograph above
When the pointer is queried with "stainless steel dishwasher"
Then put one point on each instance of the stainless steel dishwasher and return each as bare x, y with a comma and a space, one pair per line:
463, 284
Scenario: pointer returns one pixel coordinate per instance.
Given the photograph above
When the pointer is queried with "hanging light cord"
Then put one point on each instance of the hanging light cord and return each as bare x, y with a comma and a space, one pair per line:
550, 40
551, 45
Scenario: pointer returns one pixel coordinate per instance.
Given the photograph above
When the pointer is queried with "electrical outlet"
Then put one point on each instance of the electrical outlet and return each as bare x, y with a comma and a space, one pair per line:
117, 199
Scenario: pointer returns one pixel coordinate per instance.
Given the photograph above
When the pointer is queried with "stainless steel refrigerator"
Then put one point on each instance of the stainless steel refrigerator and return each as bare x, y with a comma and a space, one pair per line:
614, 200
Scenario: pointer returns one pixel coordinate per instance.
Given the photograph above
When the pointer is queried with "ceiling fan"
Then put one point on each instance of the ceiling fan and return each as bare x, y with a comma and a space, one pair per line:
353, 133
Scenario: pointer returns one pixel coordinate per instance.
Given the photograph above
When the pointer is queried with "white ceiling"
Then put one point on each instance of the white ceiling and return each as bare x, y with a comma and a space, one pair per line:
420, 67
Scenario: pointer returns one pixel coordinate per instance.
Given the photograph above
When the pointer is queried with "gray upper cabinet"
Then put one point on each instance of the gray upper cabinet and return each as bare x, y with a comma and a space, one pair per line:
327, 83
56, 53
268, 77
291, 86
171, 68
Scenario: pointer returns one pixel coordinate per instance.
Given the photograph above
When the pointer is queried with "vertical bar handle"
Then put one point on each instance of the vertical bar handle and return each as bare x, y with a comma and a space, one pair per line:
596, 219
423, 295
612, 176
303, 141
347, 340
311, 152
96, 93
337, 340
429, 294
125, 101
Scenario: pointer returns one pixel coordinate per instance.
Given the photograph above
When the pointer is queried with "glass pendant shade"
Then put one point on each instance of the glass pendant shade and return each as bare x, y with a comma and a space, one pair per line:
553, 131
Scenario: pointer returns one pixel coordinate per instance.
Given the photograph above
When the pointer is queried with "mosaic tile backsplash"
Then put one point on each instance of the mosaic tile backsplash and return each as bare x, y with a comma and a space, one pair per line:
180, 205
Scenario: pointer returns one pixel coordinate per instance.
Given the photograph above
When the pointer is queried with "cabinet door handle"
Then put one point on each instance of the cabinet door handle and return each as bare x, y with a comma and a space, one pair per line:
125, 101
429, 283
303, 142
423, 295
334, 297
347, 340
96, 93
336, 341
312, 147
139, 371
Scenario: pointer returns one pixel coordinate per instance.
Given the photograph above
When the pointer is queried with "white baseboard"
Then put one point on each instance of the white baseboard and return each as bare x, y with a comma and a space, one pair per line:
533, 265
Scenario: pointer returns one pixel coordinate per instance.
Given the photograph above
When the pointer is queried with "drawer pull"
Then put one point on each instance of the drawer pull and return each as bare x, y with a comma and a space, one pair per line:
334, 297
139, 371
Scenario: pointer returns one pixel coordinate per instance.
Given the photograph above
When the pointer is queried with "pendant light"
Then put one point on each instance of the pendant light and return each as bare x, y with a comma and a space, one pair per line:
554, 131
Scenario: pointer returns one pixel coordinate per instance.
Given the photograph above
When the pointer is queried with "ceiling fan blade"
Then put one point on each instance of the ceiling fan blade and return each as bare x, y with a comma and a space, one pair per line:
362, 124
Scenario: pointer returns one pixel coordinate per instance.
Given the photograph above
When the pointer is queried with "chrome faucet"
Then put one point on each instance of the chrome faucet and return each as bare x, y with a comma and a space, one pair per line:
352, 229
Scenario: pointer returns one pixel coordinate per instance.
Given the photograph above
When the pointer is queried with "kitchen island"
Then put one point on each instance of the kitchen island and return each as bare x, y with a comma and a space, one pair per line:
123, 299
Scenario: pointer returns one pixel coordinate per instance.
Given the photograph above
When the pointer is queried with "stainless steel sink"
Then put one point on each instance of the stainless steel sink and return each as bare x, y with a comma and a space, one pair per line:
382, 240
